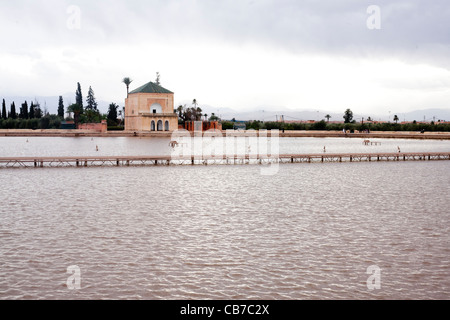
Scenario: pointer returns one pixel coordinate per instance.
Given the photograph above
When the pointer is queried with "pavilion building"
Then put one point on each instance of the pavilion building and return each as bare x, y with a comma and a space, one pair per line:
150, 108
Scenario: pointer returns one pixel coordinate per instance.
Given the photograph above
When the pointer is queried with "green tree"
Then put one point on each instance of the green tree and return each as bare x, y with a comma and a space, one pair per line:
31, 113
213, 117
79, 97
23, 113
348, 116
181, 118
328, 117
4, 114
77, 111
44, 122
189, 114
112, 114
320, 125
13, 114
91, 113
61, 107
37, 110
127, 82
90, 100
396, 118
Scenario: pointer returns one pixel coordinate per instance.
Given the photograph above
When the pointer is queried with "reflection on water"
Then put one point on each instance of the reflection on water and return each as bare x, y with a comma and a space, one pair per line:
226, 232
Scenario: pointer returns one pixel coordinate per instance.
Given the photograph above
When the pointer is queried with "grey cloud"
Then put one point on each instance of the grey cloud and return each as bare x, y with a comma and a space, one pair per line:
411, 29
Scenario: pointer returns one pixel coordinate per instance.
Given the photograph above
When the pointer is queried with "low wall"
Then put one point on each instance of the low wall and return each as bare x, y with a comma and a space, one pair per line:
98, 127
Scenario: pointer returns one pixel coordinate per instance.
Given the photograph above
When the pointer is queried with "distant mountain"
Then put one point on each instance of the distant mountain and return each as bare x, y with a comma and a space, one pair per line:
265, 113
268, 114
428, 115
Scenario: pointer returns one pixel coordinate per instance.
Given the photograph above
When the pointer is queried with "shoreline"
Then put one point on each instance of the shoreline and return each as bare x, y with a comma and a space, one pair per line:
287, 133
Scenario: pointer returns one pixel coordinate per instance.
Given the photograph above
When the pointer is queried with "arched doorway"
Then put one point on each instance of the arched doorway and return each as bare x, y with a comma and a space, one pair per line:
160, 125
166, 126
152, 126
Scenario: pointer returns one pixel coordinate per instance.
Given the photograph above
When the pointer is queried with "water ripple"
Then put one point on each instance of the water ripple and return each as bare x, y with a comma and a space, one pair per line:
224, 232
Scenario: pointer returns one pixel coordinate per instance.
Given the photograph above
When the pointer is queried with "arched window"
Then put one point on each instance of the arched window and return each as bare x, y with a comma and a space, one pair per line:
160, 125
152, 126
166, 126
155, 108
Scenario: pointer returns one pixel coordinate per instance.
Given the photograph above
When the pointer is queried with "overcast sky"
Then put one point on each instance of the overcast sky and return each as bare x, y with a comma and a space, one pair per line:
242, 54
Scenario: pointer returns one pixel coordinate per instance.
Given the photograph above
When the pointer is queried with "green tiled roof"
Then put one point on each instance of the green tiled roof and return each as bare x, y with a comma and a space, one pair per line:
150, 88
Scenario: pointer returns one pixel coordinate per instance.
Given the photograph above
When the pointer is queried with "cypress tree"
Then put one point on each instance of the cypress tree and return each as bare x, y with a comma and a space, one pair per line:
13, 114
61, 107
31, 113
24, 111
112, 114
21, 112
4, 114
79, 96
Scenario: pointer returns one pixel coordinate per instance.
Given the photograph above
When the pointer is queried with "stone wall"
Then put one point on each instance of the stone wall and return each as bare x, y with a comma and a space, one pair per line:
97, 127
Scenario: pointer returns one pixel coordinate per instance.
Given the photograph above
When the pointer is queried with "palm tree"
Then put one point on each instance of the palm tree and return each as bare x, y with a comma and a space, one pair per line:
213, 117
396, 118
127, 82
198, 114
328, 117
77, 111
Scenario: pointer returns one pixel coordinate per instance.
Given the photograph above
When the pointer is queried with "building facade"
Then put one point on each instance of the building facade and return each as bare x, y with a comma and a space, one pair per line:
150, 108
202, 125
